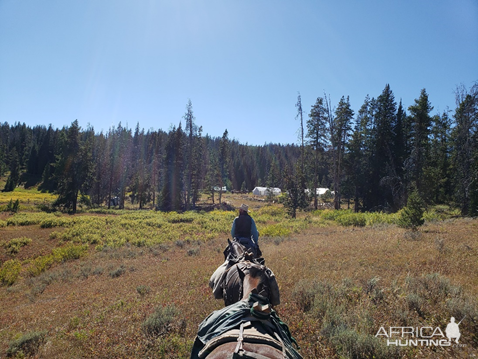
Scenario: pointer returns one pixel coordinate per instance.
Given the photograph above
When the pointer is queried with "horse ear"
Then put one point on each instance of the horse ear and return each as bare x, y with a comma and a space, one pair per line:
229, 242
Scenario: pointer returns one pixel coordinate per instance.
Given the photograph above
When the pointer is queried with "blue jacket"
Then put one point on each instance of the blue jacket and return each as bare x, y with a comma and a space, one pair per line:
254, 232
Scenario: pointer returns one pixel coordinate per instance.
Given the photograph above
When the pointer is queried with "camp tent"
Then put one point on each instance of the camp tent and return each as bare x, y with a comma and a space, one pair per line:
264, 191
321, 191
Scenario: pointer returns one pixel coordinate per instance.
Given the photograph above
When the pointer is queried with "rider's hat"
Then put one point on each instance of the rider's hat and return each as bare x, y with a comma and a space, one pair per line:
244, 207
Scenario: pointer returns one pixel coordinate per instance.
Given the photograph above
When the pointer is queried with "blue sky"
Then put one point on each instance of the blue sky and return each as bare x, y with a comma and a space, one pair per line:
240, 62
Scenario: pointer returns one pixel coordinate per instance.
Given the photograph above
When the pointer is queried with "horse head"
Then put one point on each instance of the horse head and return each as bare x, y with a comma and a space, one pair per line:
245, 277
236, 252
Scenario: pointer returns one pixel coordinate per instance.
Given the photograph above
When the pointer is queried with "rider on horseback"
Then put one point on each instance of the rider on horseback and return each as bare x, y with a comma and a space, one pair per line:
244, 230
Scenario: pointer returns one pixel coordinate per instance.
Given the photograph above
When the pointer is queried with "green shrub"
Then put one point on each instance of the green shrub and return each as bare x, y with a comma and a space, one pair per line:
352, 344
13, 246
13, 207
176, 346
433, 287
118, 272
415, 303
27, 344
58, 255
304, 293
27, 219
143, 290
411, 216
98, 271
40, 264
440, 213
10, 271
194, 251
275, 230
56, 222
378, 218
352, 219
68, 252
273, 211
160, 322
331, 215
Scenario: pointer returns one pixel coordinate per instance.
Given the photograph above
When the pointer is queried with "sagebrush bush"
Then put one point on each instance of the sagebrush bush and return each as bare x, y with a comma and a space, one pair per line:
304, 293
27, 344
434, 287
161, 321
118, 272
352, 344
194, 251
174, 347
143, 290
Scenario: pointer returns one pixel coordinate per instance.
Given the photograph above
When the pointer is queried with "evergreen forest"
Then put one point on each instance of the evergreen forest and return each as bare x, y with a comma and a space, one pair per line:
372, 158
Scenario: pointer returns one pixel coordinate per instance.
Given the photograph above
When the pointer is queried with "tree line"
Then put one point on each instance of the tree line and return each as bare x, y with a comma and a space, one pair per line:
374, 158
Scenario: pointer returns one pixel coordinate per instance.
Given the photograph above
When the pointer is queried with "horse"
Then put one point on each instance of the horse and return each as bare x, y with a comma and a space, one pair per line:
227, 281
248, 328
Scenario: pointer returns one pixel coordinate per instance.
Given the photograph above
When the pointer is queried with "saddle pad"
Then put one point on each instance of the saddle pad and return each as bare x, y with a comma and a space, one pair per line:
250, 335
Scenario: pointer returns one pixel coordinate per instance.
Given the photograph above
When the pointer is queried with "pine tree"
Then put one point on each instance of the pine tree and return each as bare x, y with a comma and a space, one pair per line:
197, 168
73, 168
340, 131
301, 132
358, 157
411, 216
317, 129
295, 198
420, 146
437, 173
172, 192
14, 177
465, 151
223, 160
190, 159
385, 166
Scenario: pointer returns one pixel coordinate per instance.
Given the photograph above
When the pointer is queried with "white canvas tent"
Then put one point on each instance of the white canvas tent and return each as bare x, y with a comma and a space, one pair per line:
264, 191
319, 191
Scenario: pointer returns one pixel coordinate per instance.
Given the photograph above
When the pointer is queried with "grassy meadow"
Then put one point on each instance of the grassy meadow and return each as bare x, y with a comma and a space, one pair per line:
134, 284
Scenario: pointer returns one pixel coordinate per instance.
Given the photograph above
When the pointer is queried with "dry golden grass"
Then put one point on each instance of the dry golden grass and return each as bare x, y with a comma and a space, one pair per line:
94, 307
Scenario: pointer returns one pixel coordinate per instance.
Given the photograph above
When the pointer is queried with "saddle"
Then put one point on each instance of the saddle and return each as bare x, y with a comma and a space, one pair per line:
246, 333
250, 321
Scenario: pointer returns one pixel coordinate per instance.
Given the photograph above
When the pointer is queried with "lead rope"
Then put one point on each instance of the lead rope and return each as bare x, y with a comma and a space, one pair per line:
240, 339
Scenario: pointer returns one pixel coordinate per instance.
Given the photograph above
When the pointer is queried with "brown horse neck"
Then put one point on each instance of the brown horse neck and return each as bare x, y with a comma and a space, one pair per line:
249, 284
